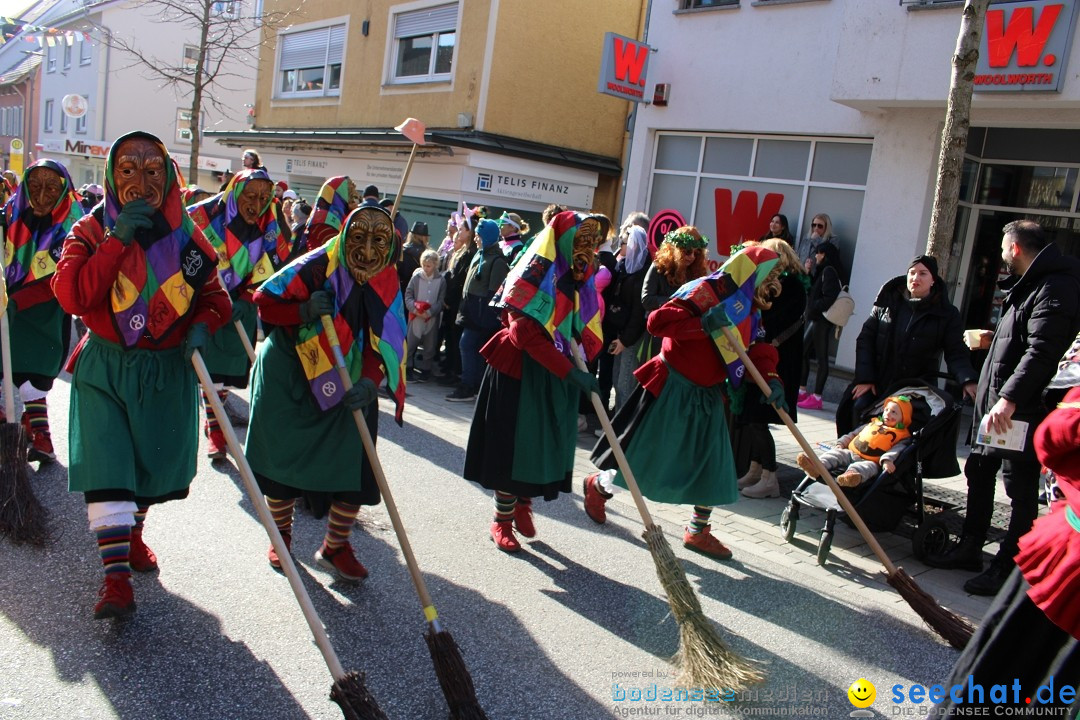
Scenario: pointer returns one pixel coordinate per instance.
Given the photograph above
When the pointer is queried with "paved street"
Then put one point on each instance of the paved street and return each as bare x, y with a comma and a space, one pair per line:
546, 634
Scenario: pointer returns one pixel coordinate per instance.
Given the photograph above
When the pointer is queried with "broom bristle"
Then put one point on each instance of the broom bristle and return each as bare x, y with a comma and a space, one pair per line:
454, 678
956, 630
22, 517
704, 660
354, 699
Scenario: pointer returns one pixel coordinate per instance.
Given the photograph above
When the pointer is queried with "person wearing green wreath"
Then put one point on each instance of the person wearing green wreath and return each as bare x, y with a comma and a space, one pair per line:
302, 438
673, 428
144, 280
524, 428
242, 224
36, 221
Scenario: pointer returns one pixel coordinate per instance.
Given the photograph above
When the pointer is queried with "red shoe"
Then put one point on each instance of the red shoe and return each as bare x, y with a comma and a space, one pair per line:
41, 447
594, 499
523, 518
216, 445
342, 562
704, 543
141, 558
502, 534
116, 598
272, 556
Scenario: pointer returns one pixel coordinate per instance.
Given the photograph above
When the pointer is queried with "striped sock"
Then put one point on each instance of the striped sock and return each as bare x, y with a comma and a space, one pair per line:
211, 419
37, 415
140, 517
114, 544
339, 524
504, 506
282, 512
700, 519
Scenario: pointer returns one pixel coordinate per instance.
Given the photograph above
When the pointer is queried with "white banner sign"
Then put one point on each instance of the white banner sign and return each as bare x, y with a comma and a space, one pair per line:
539, 189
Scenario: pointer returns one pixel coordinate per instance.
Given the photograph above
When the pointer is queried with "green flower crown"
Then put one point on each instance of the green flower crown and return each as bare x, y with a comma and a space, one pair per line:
686, 241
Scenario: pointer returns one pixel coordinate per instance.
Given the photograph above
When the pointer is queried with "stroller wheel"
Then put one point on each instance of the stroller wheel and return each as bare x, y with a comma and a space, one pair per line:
930, 538
788, 520
823, 547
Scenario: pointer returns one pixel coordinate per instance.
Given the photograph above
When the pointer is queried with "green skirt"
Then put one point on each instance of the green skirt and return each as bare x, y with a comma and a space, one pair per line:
133, 421
225, 356
524, 433
679, 447
291, 441
38, 340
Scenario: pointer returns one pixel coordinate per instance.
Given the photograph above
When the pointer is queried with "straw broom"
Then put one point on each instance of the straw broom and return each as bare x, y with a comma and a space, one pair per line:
22, 517
348, 690
954, 629
703, 658
454, 679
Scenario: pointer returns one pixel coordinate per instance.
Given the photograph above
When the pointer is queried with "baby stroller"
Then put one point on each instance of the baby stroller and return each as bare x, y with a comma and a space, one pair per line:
883, 501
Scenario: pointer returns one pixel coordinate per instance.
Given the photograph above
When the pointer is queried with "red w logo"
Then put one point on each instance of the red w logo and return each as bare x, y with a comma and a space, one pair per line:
743, 221
1022, 34
630, 61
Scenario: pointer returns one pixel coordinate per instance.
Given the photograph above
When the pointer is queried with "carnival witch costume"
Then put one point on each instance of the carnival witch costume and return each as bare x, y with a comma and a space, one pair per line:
524, 430
251, 244
37, 219
143, 278
680, 401
302, 437
337, 198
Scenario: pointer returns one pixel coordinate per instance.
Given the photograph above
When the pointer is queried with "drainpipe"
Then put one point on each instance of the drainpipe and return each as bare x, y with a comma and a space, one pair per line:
630, 129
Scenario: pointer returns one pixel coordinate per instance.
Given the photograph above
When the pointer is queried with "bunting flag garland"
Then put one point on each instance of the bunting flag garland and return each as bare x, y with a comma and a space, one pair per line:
40, 34
732, 286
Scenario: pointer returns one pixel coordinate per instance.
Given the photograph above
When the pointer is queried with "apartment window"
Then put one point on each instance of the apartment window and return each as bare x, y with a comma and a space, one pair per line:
424, 43
67, 55
309, 62
191, 58
63, 122
48, 115
84, 51
80, 122
18, 121
225, 8
183, 125
5, 121
50, 59
700, 4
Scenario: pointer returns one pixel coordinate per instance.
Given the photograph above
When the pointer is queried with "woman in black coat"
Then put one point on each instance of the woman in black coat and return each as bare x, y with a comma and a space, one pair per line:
824, 289
911, 325
783, 325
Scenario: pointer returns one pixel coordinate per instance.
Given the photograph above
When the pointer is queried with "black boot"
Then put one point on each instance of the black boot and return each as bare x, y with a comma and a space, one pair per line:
989, 582
967, 555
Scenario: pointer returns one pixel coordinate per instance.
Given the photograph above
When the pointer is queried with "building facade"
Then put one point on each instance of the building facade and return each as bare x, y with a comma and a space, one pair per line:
507, 91
837, 106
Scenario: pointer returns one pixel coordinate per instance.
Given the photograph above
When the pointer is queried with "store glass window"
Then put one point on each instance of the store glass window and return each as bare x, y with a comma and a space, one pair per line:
841, 163
728, 156
844, 208
1028, 186
674, 192
782, 159
678, 152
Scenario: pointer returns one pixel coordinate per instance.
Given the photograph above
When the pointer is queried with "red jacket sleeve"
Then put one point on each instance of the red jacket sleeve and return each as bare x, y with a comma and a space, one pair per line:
35, 294
275, 311
213, 306
87, 268
675, 321
528, 336
319, 235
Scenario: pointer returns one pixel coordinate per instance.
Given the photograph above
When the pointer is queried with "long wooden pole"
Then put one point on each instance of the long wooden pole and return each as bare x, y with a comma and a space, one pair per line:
401, 185
5, 344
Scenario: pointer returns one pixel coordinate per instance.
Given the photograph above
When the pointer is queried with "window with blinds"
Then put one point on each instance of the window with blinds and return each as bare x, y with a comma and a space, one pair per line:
309, 62
424, 42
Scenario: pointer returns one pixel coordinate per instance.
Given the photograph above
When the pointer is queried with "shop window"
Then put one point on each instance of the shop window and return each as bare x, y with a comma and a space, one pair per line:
424, 42
678, 152
785, 159
844, 208
48, 121
1024, 186
769, 199
728, 156
841, 163
674, 192
309, 62
967, 179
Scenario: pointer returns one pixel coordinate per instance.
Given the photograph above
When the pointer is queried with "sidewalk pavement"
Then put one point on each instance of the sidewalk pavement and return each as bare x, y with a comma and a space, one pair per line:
752, 527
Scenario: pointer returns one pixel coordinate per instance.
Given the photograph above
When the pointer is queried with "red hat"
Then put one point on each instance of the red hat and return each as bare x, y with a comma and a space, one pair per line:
282, 184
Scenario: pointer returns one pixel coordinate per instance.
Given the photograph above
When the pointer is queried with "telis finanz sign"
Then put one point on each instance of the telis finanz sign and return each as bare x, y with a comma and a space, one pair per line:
623, 67
1025, 46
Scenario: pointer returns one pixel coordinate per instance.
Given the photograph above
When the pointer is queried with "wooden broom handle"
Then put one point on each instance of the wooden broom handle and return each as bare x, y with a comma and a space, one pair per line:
245, 340
801, 439
380, 478
5, 339
255, 495
401, 185
613, 442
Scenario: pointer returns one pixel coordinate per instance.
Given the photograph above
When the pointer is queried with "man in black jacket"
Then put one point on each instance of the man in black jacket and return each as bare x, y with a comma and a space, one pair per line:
1041, 316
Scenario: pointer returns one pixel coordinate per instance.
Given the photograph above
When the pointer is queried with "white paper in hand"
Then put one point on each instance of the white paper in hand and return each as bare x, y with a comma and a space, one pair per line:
1012, 439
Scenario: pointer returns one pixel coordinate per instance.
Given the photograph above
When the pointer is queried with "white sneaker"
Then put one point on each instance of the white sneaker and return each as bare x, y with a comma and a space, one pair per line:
599, 432
582, 423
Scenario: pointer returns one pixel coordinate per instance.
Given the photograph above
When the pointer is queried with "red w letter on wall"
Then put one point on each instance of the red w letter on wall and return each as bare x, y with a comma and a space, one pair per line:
1021, 33
630, 60
744, 221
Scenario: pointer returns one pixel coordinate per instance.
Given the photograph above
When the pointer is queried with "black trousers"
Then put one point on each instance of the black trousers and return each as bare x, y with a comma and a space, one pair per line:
817, 340
1021, 476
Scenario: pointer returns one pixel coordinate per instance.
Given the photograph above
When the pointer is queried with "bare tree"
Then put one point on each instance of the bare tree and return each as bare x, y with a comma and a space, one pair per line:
955, 134
229, 37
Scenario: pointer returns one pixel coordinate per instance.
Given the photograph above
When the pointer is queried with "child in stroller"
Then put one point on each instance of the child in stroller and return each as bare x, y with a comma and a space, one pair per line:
866, 449
887, 493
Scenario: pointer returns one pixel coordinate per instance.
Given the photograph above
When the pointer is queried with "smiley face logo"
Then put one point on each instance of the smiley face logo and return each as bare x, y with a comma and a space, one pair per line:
862, 693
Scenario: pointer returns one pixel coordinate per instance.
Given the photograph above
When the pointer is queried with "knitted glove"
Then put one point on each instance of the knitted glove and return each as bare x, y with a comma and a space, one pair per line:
776, 396
715, 319
135, 215
361, 394
320, 303
197, 337
584, 381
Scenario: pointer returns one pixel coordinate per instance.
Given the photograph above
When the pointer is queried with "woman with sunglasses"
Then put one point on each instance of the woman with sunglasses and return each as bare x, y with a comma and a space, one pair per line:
821, 230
